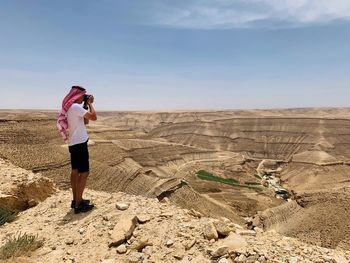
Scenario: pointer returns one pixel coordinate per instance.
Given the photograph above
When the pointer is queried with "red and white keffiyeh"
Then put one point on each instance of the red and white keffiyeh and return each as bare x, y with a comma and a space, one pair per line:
62, 123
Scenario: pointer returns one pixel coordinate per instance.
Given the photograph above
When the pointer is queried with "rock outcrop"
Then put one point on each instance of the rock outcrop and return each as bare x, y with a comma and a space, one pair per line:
21, 189
150, 231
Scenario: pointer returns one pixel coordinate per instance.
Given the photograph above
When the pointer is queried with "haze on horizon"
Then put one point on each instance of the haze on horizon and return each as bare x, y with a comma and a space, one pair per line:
149, 55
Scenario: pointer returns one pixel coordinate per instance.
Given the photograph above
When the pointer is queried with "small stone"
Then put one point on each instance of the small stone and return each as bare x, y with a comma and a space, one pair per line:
225, 219
141, 244
166, 214
253, 258
121, 249
81, 231
135, 257
293, 260
182, 234
169, 243
122, 206
234, 242
143, 218
195, 213
246, 232
135, 233
241, 258
223, 260
179, 255
261, 259
165, 200
69, 242
148, 251
220, 251
106, 217
32, 203
190, 243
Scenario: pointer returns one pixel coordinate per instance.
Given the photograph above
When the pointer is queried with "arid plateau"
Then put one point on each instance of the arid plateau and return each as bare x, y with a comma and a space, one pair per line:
275, 181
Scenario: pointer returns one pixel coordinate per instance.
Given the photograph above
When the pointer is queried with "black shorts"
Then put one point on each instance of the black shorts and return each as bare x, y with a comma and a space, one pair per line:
79, 157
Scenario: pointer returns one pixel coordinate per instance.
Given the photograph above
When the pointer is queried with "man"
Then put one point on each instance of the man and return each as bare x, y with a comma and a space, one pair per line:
71, 123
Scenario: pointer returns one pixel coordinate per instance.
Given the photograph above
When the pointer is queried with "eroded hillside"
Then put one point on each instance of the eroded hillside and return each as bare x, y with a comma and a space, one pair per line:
128, 228
215, 154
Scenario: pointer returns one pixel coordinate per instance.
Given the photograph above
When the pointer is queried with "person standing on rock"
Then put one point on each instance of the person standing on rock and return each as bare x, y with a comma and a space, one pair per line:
71, 123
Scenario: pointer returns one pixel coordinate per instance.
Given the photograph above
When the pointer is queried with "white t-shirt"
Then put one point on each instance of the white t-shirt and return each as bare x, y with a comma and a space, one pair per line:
76, 126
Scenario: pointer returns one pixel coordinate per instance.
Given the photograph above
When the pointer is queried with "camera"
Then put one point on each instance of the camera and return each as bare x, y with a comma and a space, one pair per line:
85, 100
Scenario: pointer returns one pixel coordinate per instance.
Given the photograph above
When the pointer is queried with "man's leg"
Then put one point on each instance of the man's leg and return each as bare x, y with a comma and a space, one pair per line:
74, 182
82, 178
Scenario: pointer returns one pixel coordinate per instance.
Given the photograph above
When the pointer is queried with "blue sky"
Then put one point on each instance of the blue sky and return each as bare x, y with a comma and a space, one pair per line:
153, 55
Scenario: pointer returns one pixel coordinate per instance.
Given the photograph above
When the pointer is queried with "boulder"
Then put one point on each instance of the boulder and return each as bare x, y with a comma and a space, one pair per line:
209, 231
222, 228
123, 230
219, 251
233, 242
22, 189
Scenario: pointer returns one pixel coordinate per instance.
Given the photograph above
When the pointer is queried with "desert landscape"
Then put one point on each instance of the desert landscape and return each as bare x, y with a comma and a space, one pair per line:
275, 172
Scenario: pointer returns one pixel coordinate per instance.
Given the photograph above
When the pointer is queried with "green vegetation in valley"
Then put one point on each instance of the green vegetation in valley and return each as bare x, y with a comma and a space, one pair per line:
20, 245
204, 175
210, 177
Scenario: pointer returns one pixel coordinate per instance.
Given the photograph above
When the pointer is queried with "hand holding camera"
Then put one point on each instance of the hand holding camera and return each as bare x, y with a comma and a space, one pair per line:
88, 99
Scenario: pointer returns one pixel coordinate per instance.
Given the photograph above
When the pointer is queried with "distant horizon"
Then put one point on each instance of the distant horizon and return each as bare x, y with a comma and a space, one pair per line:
179, 110
150, 55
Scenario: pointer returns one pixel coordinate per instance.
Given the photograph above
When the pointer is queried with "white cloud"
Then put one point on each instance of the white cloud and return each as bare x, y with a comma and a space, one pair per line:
210, 14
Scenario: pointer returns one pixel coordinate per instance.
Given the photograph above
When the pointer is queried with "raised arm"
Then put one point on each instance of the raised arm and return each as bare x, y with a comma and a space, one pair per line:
91, 114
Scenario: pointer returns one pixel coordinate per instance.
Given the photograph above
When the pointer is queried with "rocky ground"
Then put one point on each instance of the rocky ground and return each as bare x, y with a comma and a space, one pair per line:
130, 228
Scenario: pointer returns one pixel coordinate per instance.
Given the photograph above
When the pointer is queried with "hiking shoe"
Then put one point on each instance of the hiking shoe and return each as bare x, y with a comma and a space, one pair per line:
83, 207
86, 201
